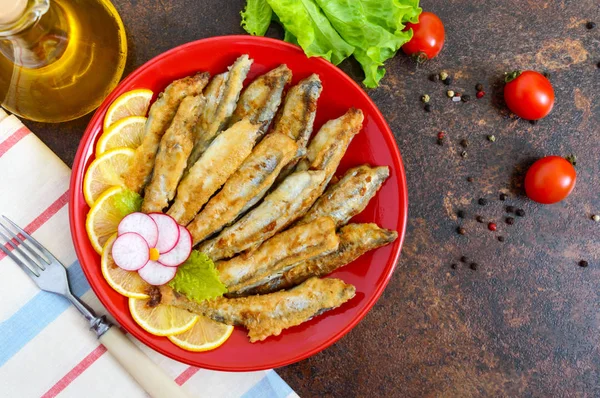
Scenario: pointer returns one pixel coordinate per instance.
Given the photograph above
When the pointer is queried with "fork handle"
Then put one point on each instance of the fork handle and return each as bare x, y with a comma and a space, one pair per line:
148, 375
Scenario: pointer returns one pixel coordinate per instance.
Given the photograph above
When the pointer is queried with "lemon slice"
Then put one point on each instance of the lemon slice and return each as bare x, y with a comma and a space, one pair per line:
205, 335
106, 171
126, 133
106, 213
131, 103
127, 283
161, 320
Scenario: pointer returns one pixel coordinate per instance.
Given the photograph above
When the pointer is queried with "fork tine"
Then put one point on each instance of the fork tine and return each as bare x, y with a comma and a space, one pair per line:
41, 262
32, 273
31, 239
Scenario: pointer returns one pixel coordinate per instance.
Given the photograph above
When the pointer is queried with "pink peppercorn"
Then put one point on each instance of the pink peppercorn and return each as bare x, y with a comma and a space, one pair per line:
492, 226
480, 94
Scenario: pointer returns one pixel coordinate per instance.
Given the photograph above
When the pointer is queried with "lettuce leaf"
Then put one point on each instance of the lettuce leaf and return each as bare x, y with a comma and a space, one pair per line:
392, 14
127, 202
373, 29
304, 21
256, 17
198, 278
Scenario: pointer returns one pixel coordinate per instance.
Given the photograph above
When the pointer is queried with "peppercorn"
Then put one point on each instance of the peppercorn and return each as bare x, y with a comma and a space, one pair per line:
482, 201
598, 64
461, 231
480, 219
461, 214
425, 98
465, 259
441, 135
590, 25
466, 98
456, 99
464, 143
501, 238
510, 220
479, 87
583, 263
440, 142
448, 81
503, 197
453, 266
510, 209
427, 108
463, 154
520, 212
470, 179
474, 266
443, 75
596, 217
450, 93
492, 226
434, 77
480, 94
491, 138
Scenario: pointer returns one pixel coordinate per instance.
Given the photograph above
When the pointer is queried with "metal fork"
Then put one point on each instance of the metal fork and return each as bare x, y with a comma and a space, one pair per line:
50, 275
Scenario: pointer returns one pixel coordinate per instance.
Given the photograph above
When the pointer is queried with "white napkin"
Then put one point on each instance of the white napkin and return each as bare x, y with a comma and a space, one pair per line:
46, 349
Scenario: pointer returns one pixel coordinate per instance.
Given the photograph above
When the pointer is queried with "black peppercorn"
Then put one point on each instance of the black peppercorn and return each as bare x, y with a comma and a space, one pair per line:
480, 219
461, 231
427, 108
520, 212
464, 143
465, 259
503, 197
461, 214
453, 266
590, 25
448, 81
598, 64
510, 209
470, 179
510, 220
501, 238
583, 263
434, 77
482, 201
479, 87
474, 266
465, 98
440, 141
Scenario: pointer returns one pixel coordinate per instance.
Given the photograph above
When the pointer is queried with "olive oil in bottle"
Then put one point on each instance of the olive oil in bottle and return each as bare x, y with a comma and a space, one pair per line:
59, 58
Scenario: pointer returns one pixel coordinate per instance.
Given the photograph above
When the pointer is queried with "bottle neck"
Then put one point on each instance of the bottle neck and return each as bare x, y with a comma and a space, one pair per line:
38, 38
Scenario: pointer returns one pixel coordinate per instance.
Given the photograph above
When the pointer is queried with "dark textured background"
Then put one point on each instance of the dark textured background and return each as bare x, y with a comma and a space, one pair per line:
527, 322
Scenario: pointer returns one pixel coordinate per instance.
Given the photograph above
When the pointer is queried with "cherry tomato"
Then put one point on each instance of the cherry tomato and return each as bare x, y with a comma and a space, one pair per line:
428, 37
529, 94
550, 180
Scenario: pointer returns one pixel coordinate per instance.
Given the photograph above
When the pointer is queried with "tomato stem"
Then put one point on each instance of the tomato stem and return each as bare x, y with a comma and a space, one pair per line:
572, 159
510, 76
420, 57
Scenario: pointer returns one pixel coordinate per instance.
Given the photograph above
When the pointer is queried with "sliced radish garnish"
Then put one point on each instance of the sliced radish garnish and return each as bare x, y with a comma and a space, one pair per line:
142, 224
180, 252
130, 251
157, 274
168, 232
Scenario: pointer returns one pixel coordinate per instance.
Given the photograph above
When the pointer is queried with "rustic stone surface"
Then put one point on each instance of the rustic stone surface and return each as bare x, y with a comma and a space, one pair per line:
526, 323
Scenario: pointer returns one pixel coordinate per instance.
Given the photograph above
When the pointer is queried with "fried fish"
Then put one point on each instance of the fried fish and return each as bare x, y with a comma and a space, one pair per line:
171, 159
223, 94
278, 254
245, 187
355, 240
222, 158
349, 196
160, 116
261, 99
280, 208
269, 314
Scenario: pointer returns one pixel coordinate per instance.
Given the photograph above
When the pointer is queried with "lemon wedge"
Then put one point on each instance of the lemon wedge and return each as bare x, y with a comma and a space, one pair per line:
131, 103
161, 320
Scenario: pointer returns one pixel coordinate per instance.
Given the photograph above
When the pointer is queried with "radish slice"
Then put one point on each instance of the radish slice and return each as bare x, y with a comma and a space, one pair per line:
157, 274
180, 252
141, 224
168, 232
130, 251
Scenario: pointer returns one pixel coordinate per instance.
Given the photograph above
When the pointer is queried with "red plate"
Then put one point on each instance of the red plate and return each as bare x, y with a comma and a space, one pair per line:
375, 145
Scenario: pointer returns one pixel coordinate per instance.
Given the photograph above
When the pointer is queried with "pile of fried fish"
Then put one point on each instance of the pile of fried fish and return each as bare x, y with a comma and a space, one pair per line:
259, 199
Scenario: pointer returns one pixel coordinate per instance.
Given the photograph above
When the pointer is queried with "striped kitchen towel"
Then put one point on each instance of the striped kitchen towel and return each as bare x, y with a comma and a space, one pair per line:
46, 349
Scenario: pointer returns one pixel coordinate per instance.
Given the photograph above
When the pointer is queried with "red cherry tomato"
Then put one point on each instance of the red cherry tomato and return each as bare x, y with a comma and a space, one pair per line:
529, 94
428, 37
550, 180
